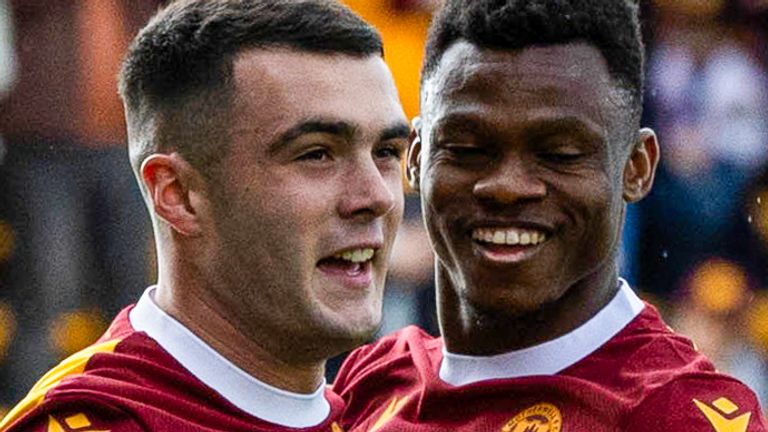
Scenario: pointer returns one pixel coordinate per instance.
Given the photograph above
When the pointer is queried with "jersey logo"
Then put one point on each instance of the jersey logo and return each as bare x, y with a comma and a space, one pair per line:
77, 422
717, 415
336, 428
543, 417
395, 405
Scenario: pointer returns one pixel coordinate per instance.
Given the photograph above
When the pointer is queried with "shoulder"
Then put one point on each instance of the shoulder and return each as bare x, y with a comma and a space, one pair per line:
44, 405
399, 347
652, 353
83, 413
699, 401
99, 377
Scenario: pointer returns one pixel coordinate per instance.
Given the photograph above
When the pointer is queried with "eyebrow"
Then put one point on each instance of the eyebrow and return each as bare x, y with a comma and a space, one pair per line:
537, 127
314, 125
558, 125
396, 131
343, 129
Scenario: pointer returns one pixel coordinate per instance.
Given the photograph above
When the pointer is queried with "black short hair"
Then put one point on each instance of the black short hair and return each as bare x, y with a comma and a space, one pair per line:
176, 79
612, 26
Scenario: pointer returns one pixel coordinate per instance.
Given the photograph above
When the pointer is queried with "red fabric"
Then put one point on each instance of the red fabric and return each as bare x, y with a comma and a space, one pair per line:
141, 387
644, 379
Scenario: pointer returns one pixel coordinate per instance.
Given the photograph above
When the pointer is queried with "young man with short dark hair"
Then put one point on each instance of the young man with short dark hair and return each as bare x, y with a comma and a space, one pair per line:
527, 152
266, 136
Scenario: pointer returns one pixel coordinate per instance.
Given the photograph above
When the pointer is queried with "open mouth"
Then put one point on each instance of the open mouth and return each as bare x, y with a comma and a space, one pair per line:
509, 236
354, 265
508, 244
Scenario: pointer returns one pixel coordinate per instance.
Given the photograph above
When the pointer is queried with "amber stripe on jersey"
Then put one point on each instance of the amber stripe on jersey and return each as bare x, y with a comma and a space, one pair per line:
72, 365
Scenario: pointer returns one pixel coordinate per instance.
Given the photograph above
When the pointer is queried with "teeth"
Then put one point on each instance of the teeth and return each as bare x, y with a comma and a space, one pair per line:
356, 255
500, 237
509, 236
525, 238
513, 237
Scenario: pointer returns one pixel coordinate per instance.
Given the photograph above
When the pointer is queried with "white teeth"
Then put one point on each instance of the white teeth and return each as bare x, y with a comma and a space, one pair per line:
513, 237
500, 237
356, 255
525, 238
509, 236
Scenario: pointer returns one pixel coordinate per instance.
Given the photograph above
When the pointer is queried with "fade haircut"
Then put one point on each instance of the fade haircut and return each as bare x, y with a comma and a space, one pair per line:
177, 78
612, 26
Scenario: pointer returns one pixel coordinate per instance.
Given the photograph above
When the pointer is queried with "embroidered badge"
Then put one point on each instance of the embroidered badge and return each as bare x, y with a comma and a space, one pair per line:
543, 417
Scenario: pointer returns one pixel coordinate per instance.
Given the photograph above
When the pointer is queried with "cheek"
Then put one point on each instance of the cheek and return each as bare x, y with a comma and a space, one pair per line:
396, 187
601, 212
588, 205
444, 203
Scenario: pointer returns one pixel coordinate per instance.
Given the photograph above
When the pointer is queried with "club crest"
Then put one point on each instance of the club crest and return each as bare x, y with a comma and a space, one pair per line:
543, 417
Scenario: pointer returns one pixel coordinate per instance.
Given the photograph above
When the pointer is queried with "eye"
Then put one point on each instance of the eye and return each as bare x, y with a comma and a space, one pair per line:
465, 151
561, 156
389, 151
319, 154
467, 154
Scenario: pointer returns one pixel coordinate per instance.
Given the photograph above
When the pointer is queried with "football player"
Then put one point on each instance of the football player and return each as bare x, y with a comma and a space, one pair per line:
527, 153
266, 136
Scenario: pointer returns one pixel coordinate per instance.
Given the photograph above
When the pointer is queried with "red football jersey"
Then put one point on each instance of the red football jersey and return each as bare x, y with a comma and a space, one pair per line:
130, 381
624, 370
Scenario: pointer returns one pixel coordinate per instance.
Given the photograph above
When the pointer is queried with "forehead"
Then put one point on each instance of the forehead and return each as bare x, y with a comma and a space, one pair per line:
275, 89
570, 80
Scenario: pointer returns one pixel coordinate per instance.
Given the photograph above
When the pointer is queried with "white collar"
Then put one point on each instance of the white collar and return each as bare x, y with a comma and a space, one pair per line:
255, 397
549, 357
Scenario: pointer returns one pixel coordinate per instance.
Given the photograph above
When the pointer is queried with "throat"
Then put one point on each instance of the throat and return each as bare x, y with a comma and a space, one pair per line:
490, 332
257, 354
482, 331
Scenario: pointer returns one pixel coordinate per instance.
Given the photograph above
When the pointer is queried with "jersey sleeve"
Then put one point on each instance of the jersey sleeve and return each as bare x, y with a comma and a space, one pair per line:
71, 417
703, 403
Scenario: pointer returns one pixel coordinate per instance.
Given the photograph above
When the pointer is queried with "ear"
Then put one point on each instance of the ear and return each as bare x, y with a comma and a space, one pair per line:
414, 155
171, 183
640, 169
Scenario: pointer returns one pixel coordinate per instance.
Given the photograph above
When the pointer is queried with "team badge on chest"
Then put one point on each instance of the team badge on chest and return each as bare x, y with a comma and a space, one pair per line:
543, 417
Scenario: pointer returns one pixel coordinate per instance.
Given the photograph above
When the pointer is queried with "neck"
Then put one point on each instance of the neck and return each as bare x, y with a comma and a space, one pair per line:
223, 332
473, 330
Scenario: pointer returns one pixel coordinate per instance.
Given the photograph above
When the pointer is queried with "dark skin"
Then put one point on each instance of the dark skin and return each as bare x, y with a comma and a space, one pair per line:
540, 144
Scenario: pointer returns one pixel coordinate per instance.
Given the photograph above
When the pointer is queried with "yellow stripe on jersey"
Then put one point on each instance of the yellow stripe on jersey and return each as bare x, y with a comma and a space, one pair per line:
72, 365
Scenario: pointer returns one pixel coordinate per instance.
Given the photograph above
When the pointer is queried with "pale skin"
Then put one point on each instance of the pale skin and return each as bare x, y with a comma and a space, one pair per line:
312, 171
535, 140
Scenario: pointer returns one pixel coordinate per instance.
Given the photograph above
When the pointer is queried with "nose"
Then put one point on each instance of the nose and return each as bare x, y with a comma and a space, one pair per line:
367, 194
510, 181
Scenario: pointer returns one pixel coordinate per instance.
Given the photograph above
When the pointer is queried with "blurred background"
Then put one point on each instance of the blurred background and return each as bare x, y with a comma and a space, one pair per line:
75, 240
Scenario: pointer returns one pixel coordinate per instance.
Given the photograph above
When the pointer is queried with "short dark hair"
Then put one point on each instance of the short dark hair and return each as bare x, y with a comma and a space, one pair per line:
176, 78
612, 26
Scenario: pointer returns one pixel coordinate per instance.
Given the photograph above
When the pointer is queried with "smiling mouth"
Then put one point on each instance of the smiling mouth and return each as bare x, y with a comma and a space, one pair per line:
352, 267
508, 245
509, 236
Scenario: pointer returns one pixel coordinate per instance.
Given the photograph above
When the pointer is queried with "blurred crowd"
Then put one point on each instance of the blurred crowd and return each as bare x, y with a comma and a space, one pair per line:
75, 237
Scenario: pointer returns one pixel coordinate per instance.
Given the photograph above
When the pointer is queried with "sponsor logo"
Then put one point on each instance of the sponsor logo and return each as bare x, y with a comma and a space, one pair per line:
543, 417
723, 415
78, 422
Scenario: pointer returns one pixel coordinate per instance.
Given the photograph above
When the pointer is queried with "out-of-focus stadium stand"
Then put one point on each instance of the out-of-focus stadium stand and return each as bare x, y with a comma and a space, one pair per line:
74, 243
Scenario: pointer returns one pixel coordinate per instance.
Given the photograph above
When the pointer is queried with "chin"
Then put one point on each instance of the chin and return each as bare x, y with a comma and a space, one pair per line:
363, 328
516, 300
354, 327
